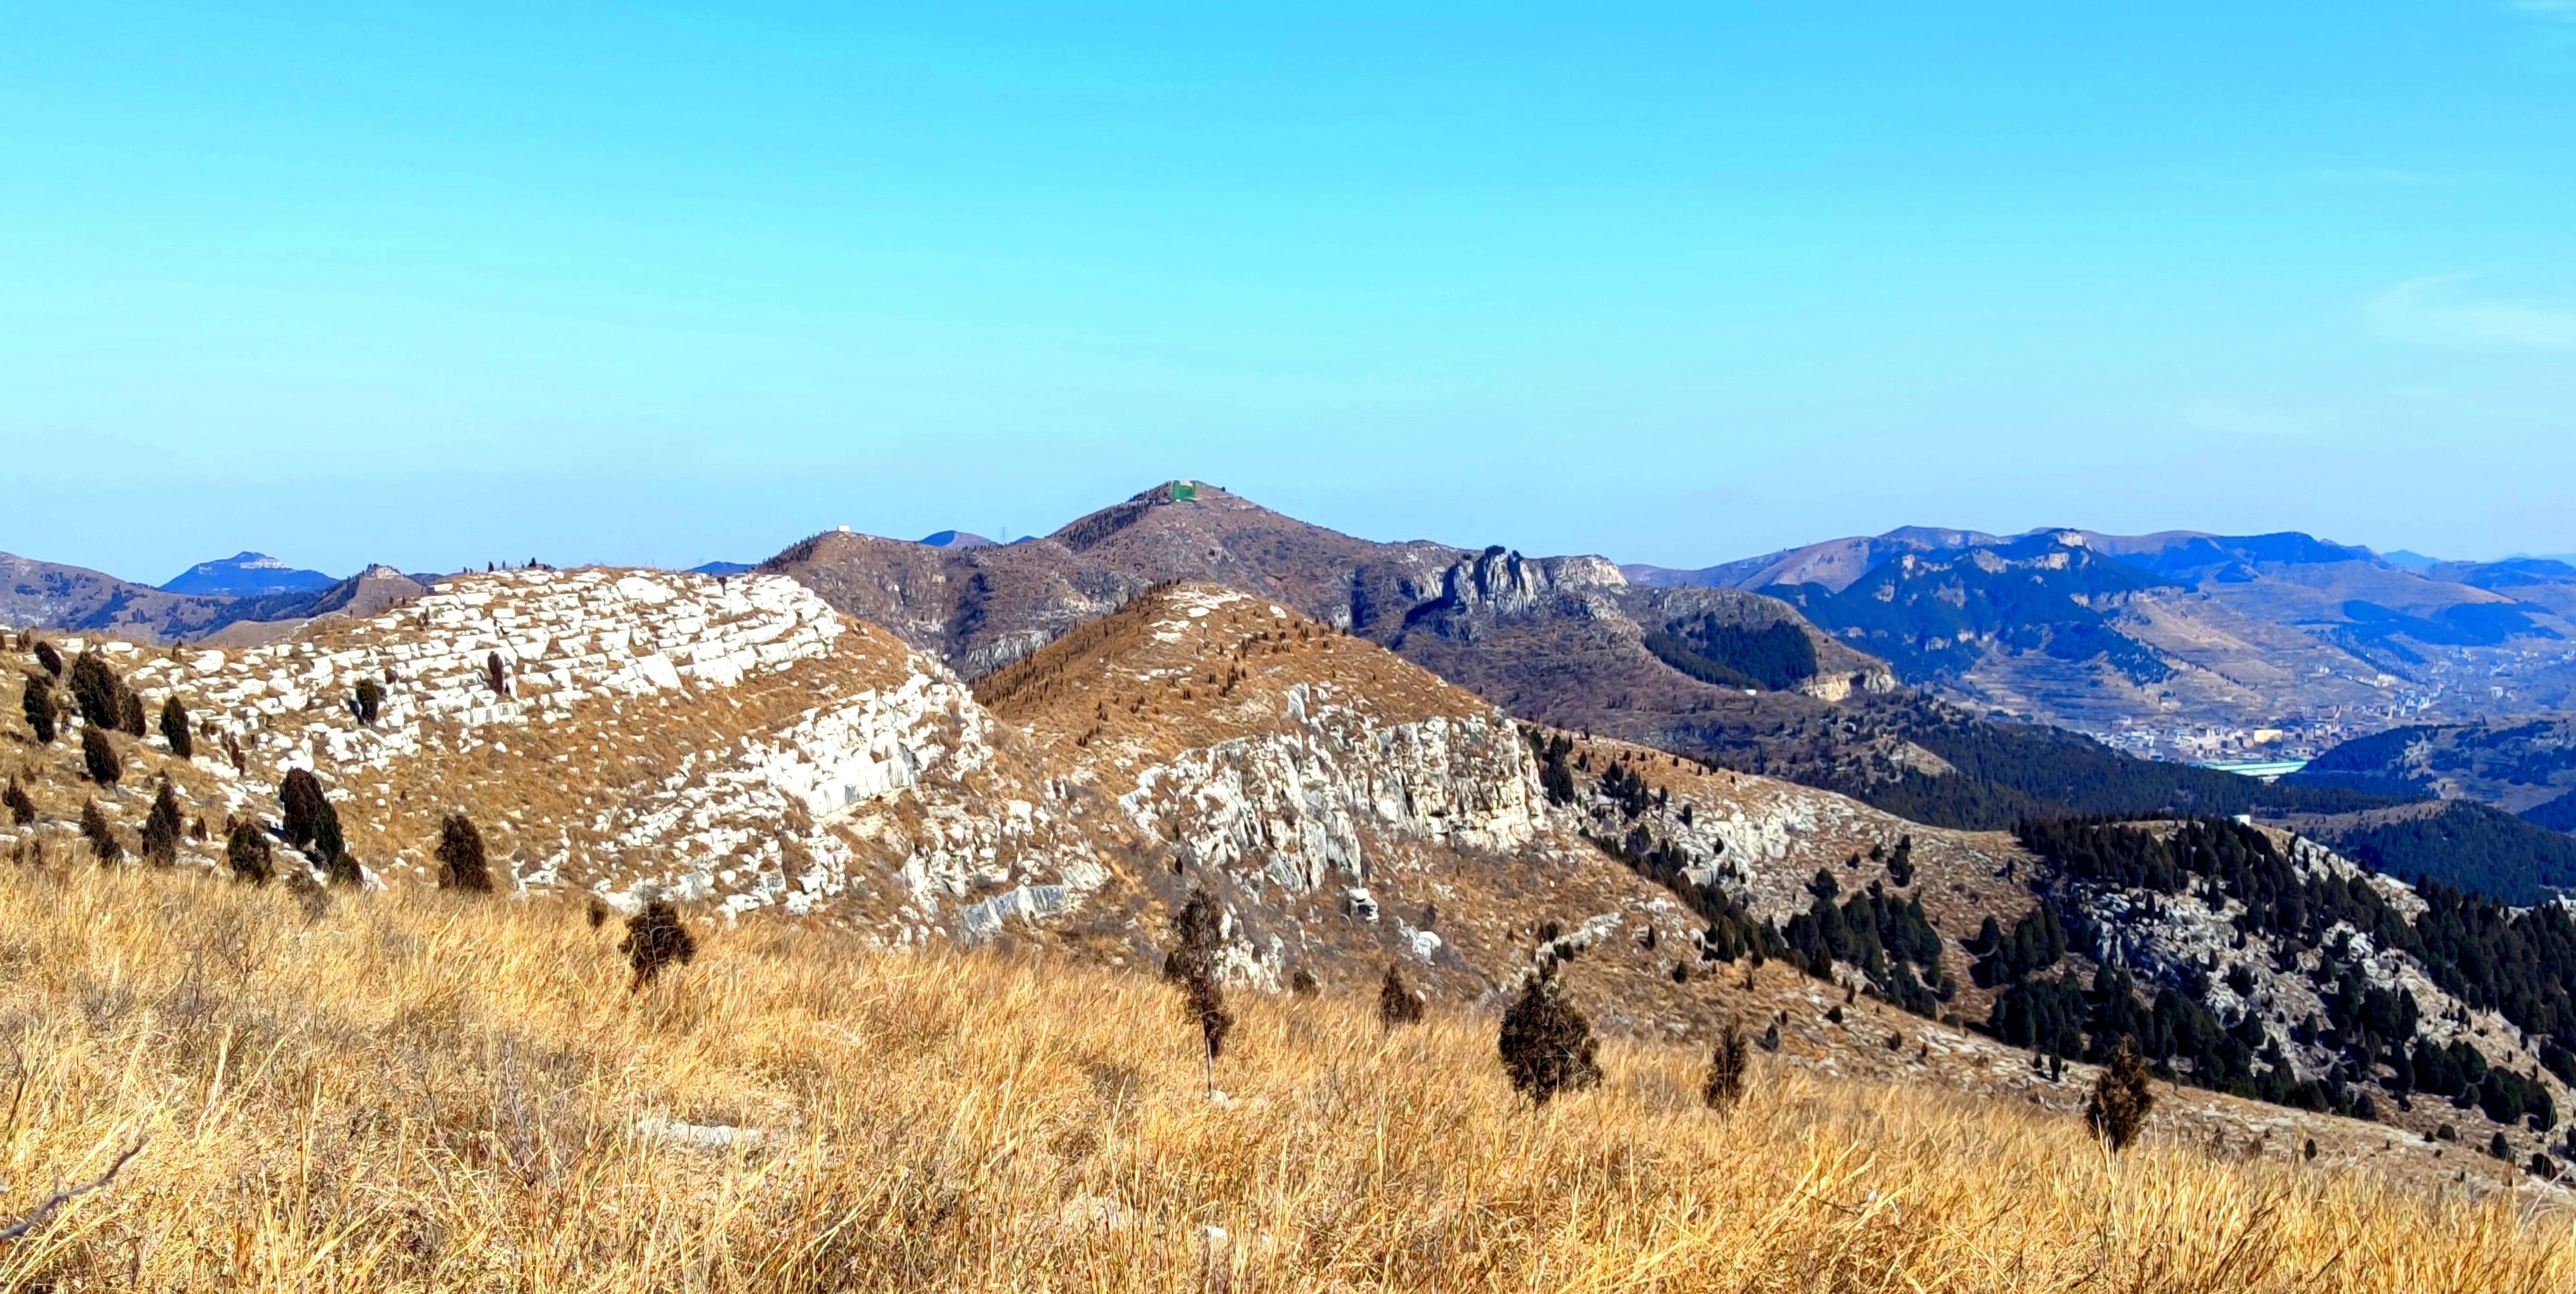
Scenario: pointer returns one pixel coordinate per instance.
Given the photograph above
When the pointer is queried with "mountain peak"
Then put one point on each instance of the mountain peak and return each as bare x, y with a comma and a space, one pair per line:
955, 539
246, 575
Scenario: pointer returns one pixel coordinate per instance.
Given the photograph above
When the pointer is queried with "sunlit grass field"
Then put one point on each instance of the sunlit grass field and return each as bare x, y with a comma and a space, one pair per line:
408, 1090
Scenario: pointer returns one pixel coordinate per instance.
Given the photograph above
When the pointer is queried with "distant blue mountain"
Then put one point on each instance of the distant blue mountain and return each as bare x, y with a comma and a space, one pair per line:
721, 568
246, 575
956, 539
2408, 559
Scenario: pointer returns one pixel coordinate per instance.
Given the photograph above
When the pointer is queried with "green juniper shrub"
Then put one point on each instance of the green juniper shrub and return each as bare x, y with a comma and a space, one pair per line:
174, 728
301, 798
656, 939
461, 865
370, 700
1727, 1066
1547, 1045
22, 807
129, 712
49, 658
246, 852
102, 838
1397, 1003
2498, 1147
161, 827
99, 754
36, 701
95, 689
497, 674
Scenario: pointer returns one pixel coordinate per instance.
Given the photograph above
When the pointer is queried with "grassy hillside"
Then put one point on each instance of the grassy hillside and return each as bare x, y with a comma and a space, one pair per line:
409, 1091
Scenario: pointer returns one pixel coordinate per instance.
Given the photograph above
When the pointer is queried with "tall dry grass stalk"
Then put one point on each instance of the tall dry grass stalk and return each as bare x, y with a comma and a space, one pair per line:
422, 1091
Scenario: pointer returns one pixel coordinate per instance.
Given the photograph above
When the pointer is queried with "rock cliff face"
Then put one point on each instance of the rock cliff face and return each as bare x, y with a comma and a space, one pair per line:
736, 744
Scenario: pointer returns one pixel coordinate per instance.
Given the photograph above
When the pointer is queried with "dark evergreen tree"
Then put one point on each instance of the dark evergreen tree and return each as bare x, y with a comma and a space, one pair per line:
1197, 935
370, 699
103, 844
497, 674
1546, 1044
161, 827
1397, 1003
37, 703
99, 754
301, 799
174, 728
2121, 1098
656, 940
460, 856
129, 713
22, 807
95, 689
49, 658
246, 852
1727, 1066
327, 848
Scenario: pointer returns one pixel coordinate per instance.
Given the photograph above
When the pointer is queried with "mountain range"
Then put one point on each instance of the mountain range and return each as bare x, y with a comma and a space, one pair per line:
743, 749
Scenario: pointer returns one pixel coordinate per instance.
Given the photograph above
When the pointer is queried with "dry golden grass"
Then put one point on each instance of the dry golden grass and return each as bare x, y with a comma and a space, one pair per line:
413, 1091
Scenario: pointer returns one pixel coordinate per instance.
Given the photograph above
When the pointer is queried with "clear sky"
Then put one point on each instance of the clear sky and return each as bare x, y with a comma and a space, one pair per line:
1673, 283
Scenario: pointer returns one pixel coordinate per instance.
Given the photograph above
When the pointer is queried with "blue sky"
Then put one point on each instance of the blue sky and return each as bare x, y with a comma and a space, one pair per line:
1673, 283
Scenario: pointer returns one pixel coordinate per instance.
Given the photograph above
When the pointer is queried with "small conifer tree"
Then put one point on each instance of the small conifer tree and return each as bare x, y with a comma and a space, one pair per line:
1197, 932
1397, 1003
49, 658
1727, 1066
301, 798
129, 712
99, 754
246, 852
161, 827
102, 838
174, 728
497, 674
328, 847
656, 939
37, 703
22, 807
461, 865
2121, 1097
1546, 1044
371, 698
95, 689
